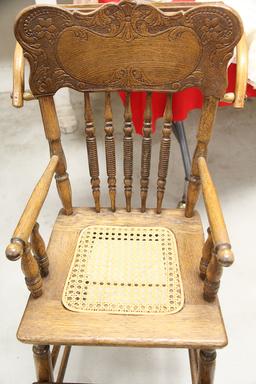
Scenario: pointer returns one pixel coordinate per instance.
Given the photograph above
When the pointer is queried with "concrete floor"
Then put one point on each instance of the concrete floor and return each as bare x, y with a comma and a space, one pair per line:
232, 159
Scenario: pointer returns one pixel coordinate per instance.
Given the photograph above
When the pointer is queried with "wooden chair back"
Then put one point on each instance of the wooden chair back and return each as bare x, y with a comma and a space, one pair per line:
128, 46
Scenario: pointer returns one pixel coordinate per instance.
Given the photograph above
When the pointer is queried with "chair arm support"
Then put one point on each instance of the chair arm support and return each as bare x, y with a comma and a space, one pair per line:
217, 224
29, 216
241, 72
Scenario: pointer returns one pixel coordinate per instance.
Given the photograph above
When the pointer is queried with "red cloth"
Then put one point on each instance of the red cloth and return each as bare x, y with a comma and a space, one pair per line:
182, 102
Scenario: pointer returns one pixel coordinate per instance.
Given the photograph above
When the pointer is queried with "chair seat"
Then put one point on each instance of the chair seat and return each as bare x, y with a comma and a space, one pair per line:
198, 324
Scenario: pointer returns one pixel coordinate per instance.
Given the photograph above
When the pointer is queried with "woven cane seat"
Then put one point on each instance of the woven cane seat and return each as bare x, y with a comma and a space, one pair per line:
125, 270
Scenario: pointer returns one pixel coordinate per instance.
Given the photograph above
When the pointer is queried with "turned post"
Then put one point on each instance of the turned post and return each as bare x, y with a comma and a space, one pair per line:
92, 151
206, 254
39, 251
212, 279
43, 363
52, 133
128, 151
206, 366
110, 151
146, 151
203, 138
164, 152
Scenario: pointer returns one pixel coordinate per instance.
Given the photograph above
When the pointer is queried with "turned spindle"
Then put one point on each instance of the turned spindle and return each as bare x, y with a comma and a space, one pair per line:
92, 151
110, 151
164, 153
128, 151
146, 151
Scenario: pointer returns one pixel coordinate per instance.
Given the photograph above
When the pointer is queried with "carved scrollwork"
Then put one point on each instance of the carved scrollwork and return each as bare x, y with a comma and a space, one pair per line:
128, 46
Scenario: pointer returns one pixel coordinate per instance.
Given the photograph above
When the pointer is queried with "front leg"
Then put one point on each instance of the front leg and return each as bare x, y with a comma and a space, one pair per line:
206, 368
43, 363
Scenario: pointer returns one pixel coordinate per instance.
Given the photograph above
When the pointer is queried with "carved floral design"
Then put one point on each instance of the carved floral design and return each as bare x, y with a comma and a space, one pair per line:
211, 29
45, 28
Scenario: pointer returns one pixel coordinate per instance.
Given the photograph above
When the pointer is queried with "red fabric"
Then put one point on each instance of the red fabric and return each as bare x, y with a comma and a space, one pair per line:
182, 102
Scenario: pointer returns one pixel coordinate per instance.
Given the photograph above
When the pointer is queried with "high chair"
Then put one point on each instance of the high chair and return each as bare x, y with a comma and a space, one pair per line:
114, 276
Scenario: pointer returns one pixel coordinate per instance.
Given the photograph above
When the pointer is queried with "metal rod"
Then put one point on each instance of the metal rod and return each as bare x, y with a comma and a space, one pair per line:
179, 132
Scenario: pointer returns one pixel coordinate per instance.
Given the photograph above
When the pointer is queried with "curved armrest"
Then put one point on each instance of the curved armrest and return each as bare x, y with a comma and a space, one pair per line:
241, 72
217, 224
29, 216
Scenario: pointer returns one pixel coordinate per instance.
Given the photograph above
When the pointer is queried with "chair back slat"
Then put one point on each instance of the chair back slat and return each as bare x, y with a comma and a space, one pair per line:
164, 153
110, 151
146, 151
128, 151
92, 151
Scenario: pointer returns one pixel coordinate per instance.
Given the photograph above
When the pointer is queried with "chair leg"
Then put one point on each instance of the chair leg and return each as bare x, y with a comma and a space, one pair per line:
43, 363
193, 360
206, 368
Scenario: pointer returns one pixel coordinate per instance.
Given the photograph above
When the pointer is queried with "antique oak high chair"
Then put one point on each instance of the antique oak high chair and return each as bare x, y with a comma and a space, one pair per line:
125, 277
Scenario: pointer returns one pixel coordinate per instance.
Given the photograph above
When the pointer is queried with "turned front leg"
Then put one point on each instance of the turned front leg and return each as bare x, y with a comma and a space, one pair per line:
206, 367
206, 255
212, 280
43, 363
39, 251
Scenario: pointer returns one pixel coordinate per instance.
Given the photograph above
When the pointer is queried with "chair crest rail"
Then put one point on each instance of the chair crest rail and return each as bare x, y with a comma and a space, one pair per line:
196, 54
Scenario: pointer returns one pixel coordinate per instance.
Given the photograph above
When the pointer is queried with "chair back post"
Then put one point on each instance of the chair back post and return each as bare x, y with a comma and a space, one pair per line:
203, 137
52, 133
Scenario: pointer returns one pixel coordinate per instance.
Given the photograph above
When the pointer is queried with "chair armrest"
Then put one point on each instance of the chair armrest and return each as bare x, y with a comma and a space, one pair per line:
29, 216
220, 237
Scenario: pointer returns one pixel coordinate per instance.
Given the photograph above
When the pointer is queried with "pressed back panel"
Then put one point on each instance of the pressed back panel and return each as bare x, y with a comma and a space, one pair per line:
128, 47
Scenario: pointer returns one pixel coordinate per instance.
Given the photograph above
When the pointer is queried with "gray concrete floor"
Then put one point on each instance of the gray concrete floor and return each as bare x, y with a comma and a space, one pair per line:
232, 159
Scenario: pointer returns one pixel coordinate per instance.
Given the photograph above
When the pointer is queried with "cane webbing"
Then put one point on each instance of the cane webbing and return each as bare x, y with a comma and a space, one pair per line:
125, 270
